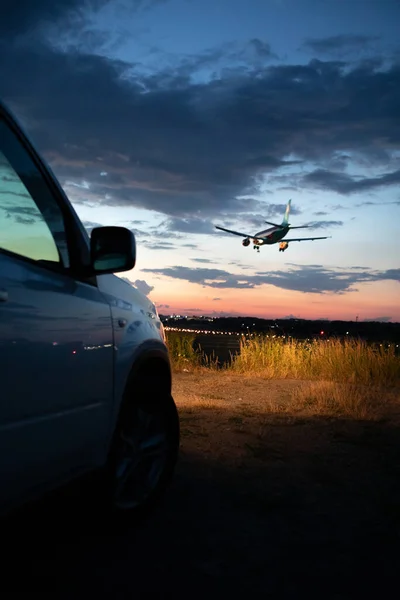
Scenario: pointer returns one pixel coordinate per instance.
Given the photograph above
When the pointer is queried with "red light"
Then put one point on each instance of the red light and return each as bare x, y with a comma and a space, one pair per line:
322, 332
73, 351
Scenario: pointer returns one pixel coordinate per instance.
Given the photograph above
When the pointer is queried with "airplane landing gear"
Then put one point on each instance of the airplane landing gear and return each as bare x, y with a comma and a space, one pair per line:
256, 248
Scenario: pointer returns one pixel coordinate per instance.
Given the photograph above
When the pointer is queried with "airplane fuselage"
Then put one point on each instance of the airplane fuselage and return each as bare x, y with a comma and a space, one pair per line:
272, 235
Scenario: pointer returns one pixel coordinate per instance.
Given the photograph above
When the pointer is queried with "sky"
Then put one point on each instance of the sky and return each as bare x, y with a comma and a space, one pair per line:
171, 116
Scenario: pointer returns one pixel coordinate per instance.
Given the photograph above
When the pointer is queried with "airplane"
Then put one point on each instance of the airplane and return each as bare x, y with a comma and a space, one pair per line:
273, 234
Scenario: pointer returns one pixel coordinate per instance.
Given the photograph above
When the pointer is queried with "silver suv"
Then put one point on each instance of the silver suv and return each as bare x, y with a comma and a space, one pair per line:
84, 368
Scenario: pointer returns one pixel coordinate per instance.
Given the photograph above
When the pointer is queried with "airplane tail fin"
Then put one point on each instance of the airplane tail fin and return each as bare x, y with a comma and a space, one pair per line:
285, 221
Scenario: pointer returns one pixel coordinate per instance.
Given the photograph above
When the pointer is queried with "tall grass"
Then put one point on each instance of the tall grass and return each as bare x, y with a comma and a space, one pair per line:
184, 356
181, 350
349, 361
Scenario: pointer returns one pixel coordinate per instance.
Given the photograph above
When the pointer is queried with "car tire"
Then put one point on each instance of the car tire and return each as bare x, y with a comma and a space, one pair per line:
144, 451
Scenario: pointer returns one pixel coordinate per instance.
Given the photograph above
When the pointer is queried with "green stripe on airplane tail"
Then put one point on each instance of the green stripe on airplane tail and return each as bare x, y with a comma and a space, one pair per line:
287, 211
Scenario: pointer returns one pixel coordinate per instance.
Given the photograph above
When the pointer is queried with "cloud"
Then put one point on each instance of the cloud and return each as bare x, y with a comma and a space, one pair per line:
202, 260
324, 224
261, 49
216, 299
362, 204
25, 18
342, 44
89, 225
269, 211
192, 150
189, 225
25, 220
308, 279
30, 212
143, 286
345, 184
255, 53
140, 284
158, 245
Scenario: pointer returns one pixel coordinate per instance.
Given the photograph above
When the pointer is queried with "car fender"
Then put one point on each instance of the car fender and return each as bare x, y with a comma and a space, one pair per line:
138, 334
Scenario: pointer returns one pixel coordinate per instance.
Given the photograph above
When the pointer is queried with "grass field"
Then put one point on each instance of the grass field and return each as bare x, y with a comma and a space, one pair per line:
337, 377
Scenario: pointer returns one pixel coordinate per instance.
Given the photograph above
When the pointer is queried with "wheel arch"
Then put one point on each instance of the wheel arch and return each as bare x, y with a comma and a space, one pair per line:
147, 364
150, 363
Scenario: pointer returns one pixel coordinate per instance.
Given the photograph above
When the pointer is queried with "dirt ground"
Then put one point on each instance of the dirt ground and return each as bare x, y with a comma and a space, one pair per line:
265, 503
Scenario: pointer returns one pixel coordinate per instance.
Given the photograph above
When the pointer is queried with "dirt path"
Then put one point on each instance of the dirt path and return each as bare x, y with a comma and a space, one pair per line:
264, 505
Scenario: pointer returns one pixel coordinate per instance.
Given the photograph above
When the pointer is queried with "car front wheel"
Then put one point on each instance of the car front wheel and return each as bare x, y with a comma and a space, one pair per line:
144, 452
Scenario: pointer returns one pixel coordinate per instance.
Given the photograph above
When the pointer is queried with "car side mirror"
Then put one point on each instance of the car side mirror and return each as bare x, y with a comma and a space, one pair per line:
112, 250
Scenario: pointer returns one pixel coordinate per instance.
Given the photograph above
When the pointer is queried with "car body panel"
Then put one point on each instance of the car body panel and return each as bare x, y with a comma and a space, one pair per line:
56, 365
137, 329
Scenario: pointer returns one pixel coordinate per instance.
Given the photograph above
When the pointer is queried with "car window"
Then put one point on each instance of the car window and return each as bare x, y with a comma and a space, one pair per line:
31, 221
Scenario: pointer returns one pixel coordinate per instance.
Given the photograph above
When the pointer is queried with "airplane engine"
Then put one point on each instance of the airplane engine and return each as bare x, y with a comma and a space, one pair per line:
246, 242
283, 246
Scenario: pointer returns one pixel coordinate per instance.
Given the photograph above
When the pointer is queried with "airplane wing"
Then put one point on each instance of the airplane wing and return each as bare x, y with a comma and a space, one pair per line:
304, 239
246, 235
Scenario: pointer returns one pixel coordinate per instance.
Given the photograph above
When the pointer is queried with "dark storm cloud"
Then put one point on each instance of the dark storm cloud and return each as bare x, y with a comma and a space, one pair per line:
340, 44
189, 150
345, 184
262, 49
254, 52
311, 279
26, 17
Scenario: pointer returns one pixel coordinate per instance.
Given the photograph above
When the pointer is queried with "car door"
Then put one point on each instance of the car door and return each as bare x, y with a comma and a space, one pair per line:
56, 340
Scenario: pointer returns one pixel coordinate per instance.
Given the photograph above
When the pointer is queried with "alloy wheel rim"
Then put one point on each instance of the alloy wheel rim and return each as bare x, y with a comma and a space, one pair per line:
141, 459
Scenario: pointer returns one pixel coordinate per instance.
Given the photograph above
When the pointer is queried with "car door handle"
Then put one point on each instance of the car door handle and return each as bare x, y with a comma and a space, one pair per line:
3, 296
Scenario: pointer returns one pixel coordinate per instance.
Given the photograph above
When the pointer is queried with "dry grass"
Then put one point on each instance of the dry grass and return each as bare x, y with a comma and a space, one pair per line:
247, 396
353, 361
329, 360
183, 356
342, 399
